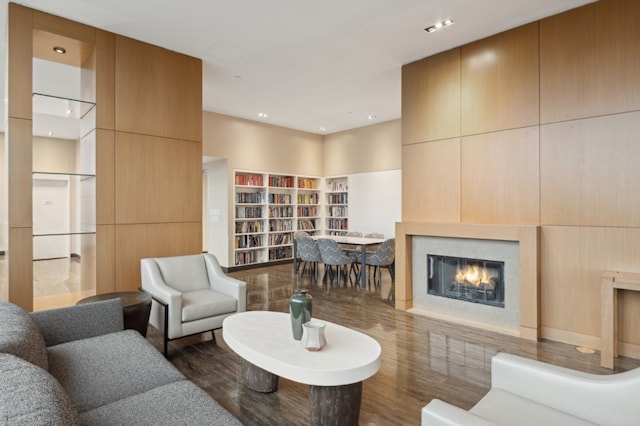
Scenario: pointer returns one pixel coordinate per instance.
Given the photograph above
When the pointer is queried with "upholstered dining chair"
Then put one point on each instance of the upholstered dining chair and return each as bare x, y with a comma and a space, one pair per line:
333, 255
383, 257
297, 234
190, 294
309, 253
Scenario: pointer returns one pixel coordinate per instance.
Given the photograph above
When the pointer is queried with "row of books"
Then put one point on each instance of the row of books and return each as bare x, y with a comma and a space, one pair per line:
245, 227
248, 212
308, 198
280, 253
248, 241
280, 198
247, 257
280, 225
279, 239
307, 211
338, 198
281, 211
249, 179
250, 197
281, 181
337, 224
338, 211
307, 183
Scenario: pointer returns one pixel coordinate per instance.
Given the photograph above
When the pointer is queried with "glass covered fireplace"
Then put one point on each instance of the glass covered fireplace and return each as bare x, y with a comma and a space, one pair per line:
473, 280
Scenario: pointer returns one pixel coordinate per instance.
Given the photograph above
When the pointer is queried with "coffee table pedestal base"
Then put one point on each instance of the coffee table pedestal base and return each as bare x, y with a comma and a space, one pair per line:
257, 379
335, 405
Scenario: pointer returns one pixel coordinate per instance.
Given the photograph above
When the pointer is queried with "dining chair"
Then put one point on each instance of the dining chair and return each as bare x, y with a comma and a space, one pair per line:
309, 253
383, 257
333, 255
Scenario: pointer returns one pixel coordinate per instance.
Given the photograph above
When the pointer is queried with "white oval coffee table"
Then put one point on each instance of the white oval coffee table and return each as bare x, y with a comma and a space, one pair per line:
265, 342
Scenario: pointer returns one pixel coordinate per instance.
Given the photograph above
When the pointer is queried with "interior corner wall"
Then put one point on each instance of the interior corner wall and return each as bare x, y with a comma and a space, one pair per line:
364, 149
546, 134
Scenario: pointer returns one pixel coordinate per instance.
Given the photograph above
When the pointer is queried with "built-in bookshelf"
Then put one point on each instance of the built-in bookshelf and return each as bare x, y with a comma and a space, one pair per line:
337, 205
269, 209
308, 200
250, 230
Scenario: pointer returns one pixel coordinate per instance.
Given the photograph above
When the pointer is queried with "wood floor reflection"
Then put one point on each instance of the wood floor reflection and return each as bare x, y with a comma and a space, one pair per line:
421, 358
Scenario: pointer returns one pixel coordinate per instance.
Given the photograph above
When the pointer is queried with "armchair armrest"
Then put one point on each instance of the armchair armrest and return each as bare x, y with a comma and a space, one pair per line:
153, 283
440, 413
80, 321
592, 397
225, 284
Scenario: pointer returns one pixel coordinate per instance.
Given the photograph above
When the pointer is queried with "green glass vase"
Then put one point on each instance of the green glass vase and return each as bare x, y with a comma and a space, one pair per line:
300, 305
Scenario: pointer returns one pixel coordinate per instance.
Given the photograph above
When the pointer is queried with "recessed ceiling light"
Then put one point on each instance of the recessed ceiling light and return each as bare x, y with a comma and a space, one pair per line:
322, 129
60, 50
262, 115
372, 117
51, 133
438, 25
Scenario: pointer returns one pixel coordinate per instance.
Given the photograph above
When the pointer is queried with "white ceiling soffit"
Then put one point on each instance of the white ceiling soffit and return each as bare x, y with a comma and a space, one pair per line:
319, 67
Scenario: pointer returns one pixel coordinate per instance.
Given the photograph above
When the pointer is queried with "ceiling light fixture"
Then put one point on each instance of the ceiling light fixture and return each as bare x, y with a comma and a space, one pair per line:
439, 25
262, 115
60, 50
371, 117
322, 129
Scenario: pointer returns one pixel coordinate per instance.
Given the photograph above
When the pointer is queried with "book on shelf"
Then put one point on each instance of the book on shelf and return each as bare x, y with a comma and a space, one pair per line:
281, 181
307, 183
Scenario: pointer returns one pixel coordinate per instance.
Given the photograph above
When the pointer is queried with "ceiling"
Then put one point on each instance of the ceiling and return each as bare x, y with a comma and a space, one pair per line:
316, 66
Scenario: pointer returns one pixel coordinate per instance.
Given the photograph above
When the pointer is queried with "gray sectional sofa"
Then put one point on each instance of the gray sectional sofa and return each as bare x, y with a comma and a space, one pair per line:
77, 366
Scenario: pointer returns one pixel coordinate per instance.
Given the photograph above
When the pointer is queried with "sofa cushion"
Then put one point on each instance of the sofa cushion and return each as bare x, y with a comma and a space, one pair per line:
20, 335
103, 369
206, 303
31, 396
178, 403
505, 408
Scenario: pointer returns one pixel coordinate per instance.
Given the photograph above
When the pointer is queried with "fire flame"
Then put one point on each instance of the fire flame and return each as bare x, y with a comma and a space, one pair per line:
474, 274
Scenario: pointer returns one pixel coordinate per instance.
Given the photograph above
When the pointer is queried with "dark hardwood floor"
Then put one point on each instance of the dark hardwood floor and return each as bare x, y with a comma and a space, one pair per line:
422, 358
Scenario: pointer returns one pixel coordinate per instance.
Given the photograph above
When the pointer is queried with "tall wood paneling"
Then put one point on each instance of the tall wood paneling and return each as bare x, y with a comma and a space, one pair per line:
589, 62
20, 61
150, 100
431, 181
157, 179
135, 242
158, 92
500, 88
431, 98
566, 160
500, 175
590, 173
573, 260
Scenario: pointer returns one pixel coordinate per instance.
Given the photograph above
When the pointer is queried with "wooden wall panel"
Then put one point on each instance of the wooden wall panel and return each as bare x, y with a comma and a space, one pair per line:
20, 61
500, 85
19, 149
589, 172
105, 80
573, 260
136, 242
500, 175
20, 264
589, 61
431, 181
105, 177
63, 27
431, 98
158, 92
157, 179
106, 259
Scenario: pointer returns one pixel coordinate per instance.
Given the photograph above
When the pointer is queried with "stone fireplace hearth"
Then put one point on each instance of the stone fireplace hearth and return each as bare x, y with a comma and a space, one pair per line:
517, 246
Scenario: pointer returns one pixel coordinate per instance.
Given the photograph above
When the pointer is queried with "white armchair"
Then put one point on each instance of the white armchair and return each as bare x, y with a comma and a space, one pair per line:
529, 392
191, 294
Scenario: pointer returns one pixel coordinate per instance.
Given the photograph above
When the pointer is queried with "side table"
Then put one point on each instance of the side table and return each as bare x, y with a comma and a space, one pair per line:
136, 308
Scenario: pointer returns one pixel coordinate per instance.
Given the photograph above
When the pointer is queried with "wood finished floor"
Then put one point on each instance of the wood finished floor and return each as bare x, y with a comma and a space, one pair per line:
421, 358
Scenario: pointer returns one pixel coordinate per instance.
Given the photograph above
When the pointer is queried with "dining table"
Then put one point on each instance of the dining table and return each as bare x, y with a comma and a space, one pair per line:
361, 243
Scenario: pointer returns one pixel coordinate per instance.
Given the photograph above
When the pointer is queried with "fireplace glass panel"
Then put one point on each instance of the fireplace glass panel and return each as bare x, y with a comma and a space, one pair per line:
472, 280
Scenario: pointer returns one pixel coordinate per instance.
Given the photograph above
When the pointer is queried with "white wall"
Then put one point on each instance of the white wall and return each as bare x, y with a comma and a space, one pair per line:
375, 202
219, 224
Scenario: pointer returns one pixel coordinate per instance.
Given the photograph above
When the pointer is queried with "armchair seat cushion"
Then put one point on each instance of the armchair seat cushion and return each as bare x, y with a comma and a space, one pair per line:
201, 304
